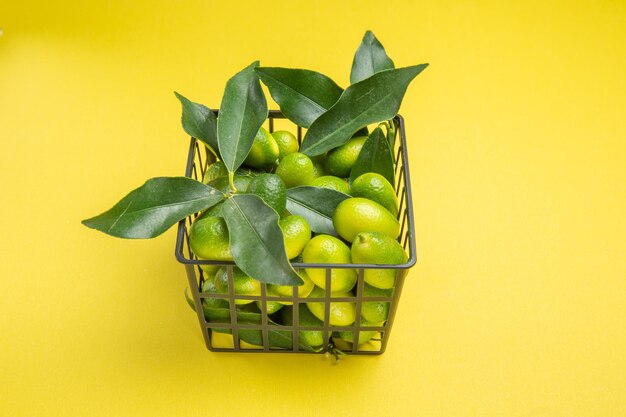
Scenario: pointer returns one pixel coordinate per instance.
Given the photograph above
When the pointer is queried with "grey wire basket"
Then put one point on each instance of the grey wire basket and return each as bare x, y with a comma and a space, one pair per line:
265, 331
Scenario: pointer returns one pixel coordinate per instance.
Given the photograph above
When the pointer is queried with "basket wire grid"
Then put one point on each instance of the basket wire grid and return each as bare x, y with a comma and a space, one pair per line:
199, 158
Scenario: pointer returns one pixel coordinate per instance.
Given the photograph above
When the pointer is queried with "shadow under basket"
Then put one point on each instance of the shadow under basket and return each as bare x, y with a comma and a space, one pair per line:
239, 327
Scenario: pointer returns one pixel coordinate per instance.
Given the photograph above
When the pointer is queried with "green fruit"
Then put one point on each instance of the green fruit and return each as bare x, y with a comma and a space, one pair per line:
296, 233
340, 160
332, 182
376, 188
208, 239
271, 189
215, 170
295, 169
242, 284
287, 290
242, 182
271, 306
378, 248
364, 335
342, 313
264, 151
287, 142
355, 215
328, 249
313, 338
209, 270
209, 287
375, 311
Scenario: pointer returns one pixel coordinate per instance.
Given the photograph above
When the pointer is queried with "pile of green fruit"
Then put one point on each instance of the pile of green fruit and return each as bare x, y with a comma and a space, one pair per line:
269, 200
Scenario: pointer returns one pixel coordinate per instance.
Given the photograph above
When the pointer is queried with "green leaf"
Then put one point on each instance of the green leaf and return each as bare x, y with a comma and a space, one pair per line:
276, 338
256, 240
199, 122
316, 205
154, 207
302, 95
375, 156
372, 100
369, 59
242, 113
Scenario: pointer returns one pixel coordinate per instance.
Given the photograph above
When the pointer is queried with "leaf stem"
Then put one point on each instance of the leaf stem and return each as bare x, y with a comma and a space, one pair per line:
231, 182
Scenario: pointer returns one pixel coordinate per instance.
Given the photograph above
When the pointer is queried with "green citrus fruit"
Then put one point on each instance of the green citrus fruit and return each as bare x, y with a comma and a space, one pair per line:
375, 311
296, 233
328, 249
209, 270
287, 142
357, 214
209, 286
340, 160
376, 187
208, 238
287, 290
342, 313
332, 182
271, 306
264, 151
295, 169
378, 248
242, 182
271, 189
313, 338
215, 170
242, 284
364, 335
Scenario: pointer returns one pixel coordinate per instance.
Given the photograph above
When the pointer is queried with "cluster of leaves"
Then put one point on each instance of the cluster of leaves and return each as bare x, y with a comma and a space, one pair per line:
311, 100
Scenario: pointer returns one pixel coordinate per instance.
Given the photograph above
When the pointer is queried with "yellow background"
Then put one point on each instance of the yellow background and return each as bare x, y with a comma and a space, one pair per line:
517, 146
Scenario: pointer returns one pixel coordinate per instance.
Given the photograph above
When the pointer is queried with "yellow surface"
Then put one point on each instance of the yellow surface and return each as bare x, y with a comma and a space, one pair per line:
518, 152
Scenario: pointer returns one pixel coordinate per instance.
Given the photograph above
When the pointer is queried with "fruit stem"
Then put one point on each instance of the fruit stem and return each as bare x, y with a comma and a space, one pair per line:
337, 353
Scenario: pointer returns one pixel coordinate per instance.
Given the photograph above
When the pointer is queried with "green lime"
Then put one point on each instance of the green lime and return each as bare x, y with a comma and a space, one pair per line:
364, 335
215, 170
375, 311
357, 214
287, 142
264, 151
340, 160
332, 182
272, 306
296, 232
295, 169
342, 313
209, 270
328, 249
208, 239
313, 338
376, 187
242, 284
271, 189
287, 290
378, 248
208, 286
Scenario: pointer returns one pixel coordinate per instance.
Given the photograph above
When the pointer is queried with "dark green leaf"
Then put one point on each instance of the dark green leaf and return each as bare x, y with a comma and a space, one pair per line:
302, 95
152, 208
369, 59
199, 122
372, 100
242, 112
375, 156
276, 338
316, 205
256, 240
